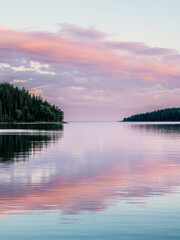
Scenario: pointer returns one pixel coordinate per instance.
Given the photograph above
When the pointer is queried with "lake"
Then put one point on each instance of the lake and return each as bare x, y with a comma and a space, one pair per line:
90, 180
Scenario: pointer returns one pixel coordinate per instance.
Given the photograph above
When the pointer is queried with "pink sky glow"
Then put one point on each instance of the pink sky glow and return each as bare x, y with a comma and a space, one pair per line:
89, 76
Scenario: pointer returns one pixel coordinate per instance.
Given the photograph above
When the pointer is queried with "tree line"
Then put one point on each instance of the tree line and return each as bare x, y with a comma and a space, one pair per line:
18, 105
168, 114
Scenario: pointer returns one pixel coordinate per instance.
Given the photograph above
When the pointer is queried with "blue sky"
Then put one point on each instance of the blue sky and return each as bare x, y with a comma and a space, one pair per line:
154, 22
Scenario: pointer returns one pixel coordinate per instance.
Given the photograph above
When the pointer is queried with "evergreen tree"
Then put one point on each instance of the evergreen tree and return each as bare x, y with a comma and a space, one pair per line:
19, 105
168, 114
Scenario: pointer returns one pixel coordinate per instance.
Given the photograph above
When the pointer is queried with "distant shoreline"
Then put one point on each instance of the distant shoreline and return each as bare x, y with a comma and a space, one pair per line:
162, 115
149, 121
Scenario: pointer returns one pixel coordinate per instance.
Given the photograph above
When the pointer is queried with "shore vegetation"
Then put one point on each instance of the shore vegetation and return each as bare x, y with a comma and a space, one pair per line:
18, 105
163, 115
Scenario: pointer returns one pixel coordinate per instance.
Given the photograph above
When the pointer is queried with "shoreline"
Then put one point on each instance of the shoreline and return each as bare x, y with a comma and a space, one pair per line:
24, 123
151, 121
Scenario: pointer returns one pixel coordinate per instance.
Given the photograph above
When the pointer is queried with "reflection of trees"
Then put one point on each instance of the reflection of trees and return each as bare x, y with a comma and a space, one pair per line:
17, 146
170, 129
38, 126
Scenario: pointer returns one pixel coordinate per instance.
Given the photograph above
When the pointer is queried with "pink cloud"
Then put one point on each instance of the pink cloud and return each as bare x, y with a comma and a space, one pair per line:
140, 48
2, 27
74, 46
3, 74
74, 31
122, 73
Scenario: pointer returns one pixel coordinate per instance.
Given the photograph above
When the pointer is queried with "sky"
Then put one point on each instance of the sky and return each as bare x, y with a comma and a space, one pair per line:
96, 60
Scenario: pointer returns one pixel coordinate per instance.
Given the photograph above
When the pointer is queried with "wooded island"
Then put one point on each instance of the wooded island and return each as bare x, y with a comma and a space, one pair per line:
18, 105
168, 115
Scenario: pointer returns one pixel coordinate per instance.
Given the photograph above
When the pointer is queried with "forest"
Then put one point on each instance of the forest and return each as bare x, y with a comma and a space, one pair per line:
18, 105
168, 114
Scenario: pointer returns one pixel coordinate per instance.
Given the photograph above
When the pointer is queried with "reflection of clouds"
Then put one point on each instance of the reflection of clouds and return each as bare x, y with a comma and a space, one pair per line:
85, 193
43, 173
90, 168
38, 174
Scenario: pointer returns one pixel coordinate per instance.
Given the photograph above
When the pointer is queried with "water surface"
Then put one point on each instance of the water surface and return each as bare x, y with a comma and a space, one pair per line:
90, 181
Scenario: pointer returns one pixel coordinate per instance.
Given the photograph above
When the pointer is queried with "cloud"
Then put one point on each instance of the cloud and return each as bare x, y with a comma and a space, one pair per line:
2, 27
3, 74
72, 50
79, 59
140, 48
78, 88
34, 66
35, 91
18, 81
82, 33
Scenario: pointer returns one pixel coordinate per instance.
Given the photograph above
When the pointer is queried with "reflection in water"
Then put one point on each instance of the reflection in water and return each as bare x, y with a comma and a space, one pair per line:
167, 128
89, 169
84, 193
38, 126
16, 146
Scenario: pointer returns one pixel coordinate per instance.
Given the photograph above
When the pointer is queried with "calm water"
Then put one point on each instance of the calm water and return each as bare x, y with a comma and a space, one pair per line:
90, 181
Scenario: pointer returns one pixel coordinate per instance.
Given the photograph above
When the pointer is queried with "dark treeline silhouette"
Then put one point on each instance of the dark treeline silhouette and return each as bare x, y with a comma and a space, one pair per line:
168, 114
20, 106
